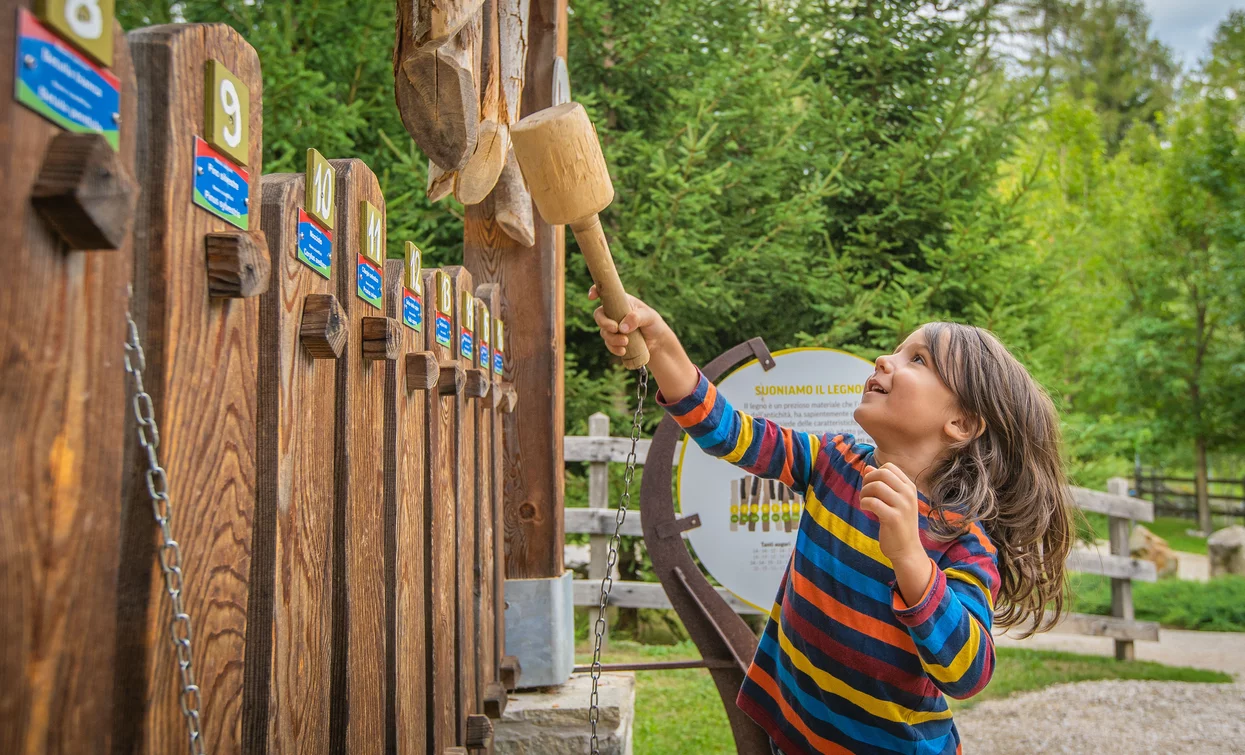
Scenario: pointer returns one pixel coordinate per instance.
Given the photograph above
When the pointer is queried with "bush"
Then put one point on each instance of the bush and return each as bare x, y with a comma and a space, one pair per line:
1217, 605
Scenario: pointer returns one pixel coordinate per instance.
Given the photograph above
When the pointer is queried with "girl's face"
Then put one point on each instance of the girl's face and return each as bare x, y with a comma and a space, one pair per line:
906, 404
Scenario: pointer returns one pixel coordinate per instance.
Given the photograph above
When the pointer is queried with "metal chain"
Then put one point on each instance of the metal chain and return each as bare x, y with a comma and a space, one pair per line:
607, 581
170, 555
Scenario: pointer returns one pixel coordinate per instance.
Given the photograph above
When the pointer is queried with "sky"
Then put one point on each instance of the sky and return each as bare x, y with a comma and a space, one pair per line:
1186, 26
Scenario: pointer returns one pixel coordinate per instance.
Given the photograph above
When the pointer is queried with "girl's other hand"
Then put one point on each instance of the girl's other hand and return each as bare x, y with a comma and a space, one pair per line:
642, 318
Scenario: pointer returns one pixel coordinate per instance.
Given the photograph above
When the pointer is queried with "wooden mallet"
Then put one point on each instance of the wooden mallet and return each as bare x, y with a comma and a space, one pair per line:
561, 160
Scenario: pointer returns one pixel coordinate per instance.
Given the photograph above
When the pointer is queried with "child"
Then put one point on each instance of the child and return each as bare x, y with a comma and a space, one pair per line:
907, 552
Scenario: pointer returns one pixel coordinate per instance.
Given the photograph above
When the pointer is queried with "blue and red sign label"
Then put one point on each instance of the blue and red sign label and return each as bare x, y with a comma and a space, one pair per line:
315, 244
467, 347
371, 282
443, 329
498, 362
412, 309
221, 187
484, 352
62, 85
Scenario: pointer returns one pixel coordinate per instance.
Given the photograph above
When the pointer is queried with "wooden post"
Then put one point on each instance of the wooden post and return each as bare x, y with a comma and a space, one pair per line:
598, 498
62, 429
441, 502
289, 620
532, 283
405, 536
464, 451
488, 520
1121, 589
202, 365
357, 710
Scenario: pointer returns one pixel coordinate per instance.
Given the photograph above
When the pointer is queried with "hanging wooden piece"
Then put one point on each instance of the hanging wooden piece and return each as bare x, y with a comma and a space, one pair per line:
512, 203
434, 77
478, 177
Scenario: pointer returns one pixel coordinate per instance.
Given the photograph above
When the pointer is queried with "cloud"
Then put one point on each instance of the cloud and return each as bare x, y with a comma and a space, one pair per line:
1186, 26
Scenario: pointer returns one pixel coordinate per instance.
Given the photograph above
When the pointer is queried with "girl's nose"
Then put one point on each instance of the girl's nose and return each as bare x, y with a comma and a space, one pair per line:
884, 362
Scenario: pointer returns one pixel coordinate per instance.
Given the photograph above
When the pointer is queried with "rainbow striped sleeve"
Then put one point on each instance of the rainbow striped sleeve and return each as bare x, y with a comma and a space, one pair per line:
758, 446
950, 624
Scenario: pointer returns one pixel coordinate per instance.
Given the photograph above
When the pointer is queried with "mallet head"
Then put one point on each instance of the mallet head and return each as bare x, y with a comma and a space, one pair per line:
560, 156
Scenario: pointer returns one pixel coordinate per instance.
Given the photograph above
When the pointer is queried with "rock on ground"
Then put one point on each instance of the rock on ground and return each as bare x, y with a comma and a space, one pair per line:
1113, 716
1227, 551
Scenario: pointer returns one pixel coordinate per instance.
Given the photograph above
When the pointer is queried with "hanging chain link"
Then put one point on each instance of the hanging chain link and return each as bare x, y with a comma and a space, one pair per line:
170, 554
607, 581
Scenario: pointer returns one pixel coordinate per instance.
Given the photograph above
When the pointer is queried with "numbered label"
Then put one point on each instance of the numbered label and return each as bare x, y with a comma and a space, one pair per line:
412, 288
499, 346
85, 24
371, 278
321, 199
227, 112
486, 327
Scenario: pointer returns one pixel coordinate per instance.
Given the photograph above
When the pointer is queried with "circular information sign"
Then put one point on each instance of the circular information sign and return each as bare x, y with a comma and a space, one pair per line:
748, 525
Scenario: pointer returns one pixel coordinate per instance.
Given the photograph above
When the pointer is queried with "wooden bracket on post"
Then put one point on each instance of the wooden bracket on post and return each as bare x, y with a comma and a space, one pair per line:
323, 327
422, 372
479, 732
453, 379
237, 263
84, 192
477, 383
382, 338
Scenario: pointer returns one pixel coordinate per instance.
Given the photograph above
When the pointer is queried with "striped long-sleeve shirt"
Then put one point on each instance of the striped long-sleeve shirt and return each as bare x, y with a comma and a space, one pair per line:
844, 664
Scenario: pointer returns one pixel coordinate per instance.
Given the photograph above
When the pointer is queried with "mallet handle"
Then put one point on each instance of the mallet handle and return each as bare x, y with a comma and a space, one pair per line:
596, 251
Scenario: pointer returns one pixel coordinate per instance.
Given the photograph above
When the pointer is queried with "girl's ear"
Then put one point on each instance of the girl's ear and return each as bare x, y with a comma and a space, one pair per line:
964, 427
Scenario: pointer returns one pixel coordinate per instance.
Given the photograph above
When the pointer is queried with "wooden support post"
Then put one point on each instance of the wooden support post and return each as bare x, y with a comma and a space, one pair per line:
62, 431
441, 502
1121, 589
202, 368
357, 710
532, 291
470, 699
488, 520
599, 498
289, 617
405, 536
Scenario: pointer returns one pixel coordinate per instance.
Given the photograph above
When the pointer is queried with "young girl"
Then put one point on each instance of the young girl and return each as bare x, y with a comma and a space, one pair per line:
908, 551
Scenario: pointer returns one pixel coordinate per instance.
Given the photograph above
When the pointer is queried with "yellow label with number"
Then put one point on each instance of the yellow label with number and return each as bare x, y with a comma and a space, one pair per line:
445, 293
414, 268
321, 183
499, 331
468, 311
372, 233
85, 24
227, 112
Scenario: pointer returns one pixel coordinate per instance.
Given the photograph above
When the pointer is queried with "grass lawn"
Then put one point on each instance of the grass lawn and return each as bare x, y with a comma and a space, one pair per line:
1173, 530
680, 711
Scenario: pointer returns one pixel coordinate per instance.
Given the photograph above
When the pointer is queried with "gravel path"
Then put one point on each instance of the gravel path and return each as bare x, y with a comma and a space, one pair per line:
1108, 717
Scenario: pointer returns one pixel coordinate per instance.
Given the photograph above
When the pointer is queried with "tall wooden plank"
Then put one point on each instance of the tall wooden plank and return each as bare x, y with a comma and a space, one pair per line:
202, 357
464, 483
62, 409
286, 700
357, 708
405, 553
532, 291
442, 515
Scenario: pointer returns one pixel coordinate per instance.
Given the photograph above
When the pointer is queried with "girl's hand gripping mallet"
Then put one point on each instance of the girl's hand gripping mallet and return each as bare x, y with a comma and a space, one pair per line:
561, 160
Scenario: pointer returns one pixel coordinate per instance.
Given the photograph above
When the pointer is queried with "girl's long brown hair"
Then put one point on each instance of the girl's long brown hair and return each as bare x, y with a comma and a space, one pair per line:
1010, 478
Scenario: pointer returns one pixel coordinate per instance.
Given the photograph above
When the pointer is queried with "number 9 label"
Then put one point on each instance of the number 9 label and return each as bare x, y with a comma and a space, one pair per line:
86, 24
227, 112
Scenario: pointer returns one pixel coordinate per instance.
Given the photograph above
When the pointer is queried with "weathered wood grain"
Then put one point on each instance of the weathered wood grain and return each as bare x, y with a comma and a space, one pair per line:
237, 263
357, 708
441, 526
289, 619
202, 361
86, 192
405, 554
531, 294
478, 177
62, 424
470, 699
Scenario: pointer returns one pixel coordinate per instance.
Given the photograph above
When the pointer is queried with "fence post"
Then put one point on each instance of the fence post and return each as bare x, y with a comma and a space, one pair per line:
1121, 589
599, 498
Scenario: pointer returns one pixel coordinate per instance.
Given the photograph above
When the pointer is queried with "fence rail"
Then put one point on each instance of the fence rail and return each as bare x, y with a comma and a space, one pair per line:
1181, 500
599, 449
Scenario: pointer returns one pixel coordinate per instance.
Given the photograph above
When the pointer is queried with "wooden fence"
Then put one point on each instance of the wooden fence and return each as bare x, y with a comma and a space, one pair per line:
599, 450
1177, 496
330, 427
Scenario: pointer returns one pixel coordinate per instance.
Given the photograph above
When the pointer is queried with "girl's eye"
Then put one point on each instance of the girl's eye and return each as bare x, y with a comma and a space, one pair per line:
919, 358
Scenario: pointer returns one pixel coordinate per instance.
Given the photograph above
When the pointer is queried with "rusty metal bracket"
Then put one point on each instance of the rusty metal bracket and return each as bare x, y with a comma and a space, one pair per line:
725, 642
678, 526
